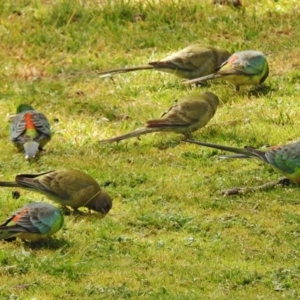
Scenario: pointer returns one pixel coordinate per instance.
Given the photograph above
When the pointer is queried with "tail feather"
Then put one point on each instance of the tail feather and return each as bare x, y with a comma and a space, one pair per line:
129, 135
30, 147
12, 228
203, 78
124, 70
234, 156
32, 175
225, 148
163, 124
6, 234
9, 184
167, 65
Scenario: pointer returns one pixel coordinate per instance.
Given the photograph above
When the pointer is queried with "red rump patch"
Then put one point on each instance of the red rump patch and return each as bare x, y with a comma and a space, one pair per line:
28, 120
19, 215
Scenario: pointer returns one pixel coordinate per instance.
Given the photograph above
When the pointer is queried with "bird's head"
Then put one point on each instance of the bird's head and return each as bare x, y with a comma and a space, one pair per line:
24, 107
102, 203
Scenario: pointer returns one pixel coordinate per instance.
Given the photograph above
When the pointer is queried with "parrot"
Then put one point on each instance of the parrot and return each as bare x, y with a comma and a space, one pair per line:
234, 3
285, 159
34, 221
69, 187
30, 130
190, 114
191, 62
247, 67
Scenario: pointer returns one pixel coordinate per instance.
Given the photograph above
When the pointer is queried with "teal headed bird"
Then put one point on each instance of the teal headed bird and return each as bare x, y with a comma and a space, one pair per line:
30, 130
191, 62
241, 68
285, 159
69, 187
34, 221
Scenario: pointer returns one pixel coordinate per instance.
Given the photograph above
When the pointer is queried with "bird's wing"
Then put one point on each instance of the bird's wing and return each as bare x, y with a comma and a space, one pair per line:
43, 217
18, 126
64, 184
188, 59
174, 117
22, 221
285, 158
41, 123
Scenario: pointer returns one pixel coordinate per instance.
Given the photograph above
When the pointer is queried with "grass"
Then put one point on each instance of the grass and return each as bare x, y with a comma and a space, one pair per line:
170, 234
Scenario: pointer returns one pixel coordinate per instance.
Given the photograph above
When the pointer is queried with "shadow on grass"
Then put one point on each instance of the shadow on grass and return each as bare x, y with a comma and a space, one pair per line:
259, 91
50, 243
166, 144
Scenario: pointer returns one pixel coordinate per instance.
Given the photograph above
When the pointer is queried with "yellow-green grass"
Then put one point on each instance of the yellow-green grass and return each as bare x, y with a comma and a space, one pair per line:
170, 234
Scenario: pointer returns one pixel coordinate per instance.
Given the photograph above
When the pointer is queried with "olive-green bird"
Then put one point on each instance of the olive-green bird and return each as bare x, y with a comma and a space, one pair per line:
34, 221
186, 116
191, 62
30, 130
68, 187
285, 159
241, 68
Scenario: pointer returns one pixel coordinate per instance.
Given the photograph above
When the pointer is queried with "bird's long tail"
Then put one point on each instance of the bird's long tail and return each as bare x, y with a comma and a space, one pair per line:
7, 232
110, 73
200, 79
129, 135
232, 156
243, 151
9, 184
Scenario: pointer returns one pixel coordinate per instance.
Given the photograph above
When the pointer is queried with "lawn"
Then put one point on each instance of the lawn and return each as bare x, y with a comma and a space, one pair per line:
171, 234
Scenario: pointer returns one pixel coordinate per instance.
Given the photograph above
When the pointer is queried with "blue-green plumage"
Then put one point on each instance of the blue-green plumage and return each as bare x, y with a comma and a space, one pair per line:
34, 221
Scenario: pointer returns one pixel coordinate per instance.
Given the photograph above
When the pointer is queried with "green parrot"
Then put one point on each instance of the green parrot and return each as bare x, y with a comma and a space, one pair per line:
69, 187
191, 62
190, 114
285, 159
34, 221
30, 130
241, 68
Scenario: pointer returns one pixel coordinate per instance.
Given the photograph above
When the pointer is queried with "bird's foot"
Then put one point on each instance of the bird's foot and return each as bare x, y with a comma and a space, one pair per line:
260, 88
201, 83
285, 181
77, 212
66, 211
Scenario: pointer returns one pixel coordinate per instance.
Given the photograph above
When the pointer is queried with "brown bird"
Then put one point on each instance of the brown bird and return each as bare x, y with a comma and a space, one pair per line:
69, 187
186, 116
191, 62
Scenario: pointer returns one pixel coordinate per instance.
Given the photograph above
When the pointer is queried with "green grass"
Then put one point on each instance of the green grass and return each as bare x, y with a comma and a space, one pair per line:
170, 234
